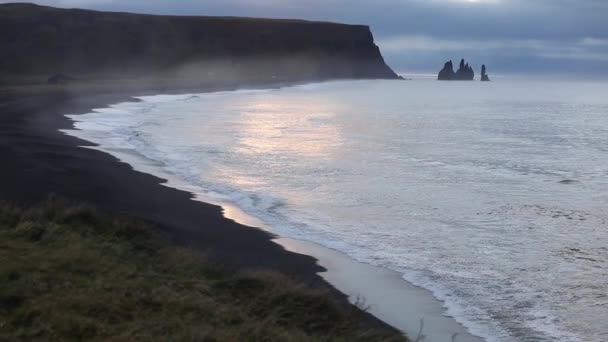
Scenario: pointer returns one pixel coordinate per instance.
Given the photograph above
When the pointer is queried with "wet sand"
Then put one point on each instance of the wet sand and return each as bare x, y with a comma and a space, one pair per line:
385, 294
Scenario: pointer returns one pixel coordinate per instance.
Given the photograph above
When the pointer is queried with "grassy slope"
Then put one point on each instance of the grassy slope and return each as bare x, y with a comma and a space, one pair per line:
68, 273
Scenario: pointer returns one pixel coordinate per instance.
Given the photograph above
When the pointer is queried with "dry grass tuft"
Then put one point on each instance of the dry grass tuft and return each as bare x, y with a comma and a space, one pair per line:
69, 273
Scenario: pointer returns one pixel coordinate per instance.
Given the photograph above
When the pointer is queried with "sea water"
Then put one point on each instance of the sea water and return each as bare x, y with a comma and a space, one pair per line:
491, 195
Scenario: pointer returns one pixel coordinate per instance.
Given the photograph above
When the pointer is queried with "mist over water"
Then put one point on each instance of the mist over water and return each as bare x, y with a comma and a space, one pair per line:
493, 196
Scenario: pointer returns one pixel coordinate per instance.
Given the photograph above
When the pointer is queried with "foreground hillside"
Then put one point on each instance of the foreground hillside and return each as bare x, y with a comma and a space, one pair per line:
38, 41
72, 274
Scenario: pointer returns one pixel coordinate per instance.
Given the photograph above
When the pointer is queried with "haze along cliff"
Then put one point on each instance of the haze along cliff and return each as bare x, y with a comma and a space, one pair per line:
38, 40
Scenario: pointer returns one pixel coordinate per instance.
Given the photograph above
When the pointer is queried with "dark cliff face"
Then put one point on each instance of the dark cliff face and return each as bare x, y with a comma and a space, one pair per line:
44, 40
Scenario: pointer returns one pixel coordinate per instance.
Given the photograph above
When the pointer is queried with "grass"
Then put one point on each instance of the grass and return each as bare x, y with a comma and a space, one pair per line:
70, 274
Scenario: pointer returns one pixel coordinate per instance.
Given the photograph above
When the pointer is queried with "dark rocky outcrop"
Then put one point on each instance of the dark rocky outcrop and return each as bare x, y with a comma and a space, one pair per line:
484, 75
39, 40
447, 73
464, 73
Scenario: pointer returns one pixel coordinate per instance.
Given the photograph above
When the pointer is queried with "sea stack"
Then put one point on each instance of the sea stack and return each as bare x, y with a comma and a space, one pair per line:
465, 72
447, 73
484, 76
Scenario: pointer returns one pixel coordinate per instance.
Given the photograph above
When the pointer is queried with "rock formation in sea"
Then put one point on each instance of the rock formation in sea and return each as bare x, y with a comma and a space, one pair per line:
464, 73
39, 40
447, 73
484, 76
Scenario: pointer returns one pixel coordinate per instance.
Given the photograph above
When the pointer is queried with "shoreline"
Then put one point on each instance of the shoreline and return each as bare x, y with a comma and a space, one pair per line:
40, 161
404, 309
363, 284
385, 294
33, 143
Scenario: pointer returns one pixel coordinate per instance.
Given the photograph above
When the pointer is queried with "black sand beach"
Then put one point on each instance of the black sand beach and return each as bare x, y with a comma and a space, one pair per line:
39, 161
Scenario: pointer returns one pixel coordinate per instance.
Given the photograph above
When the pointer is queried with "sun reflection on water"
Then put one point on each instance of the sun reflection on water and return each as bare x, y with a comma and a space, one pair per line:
290, 126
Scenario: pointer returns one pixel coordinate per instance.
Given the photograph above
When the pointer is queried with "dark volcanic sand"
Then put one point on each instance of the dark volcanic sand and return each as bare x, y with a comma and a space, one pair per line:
37, 160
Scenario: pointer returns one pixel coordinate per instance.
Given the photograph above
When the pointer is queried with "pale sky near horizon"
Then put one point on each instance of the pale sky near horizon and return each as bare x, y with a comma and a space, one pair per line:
510, 36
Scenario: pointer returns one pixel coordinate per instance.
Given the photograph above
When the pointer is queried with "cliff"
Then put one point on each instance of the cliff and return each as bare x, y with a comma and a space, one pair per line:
39, 40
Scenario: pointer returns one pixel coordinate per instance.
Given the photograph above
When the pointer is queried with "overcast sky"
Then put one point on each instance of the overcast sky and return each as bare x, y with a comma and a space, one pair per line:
510, 36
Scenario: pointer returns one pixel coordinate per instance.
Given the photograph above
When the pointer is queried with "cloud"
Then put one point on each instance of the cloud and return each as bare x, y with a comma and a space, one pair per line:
419, 52
587, 48
423, 43
594, 42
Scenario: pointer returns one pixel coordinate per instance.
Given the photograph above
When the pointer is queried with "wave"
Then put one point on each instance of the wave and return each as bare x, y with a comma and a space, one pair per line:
474, 285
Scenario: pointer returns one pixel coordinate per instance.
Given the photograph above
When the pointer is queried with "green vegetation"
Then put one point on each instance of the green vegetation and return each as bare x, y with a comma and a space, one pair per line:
69, 273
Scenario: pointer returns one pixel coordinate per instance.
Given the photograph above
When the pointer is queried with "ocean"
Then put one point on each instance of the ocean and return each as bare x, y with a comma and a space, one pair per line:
491, 195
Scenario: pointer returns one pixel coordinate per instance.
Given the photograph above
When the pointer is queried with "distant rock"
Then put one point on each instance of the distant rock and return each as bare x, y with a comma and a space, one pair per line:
447, 73
465, 72
484, 76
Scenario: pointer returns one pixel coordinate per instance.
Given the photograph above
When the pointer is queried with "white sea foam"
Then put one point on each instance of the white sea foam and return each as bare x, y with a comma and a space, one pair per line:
492, 196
